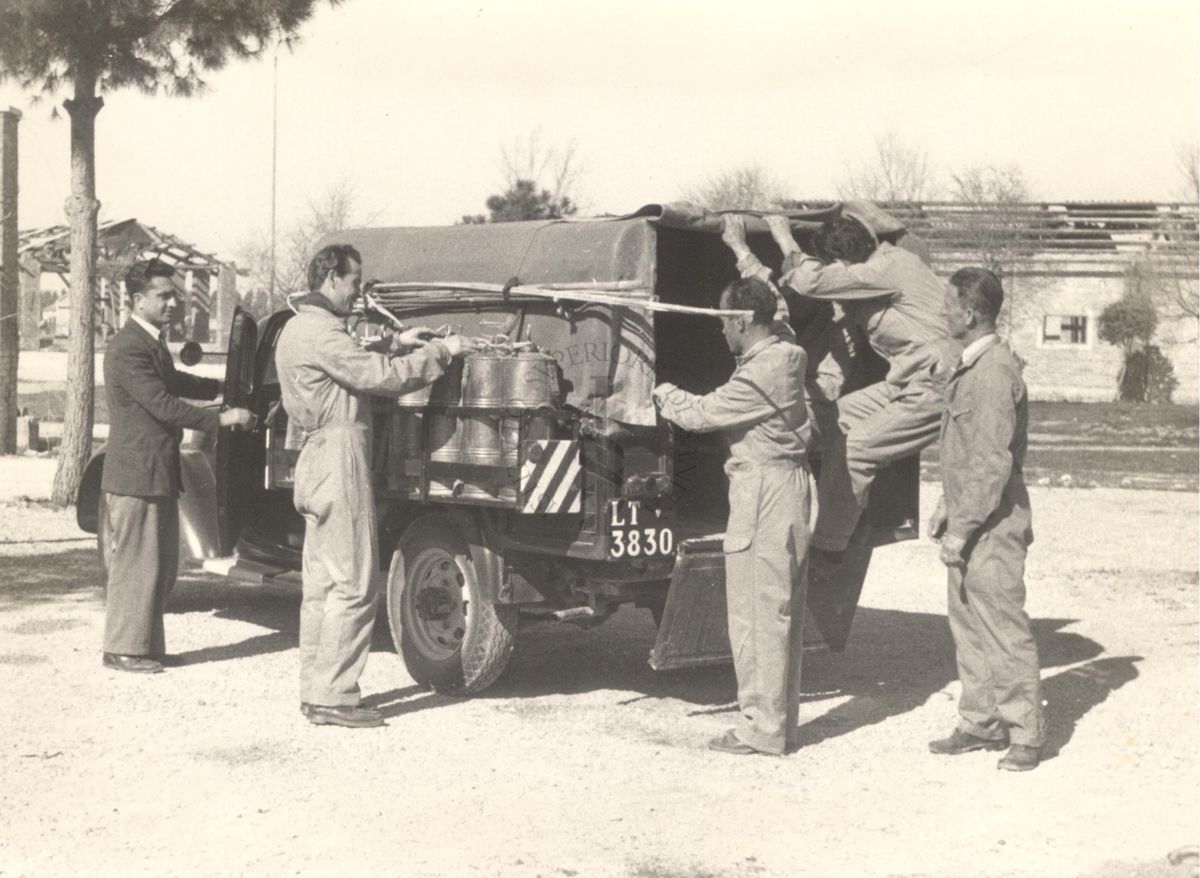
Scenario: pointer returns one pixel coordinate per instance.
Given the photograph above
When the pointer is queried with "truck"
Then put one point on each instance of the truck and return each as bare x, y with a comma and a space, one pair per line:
534, 479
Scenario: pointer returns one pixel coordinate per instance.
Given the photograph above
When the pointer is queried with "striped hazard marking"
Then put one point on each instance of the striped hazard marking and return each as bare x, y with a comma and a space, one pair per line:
552, 476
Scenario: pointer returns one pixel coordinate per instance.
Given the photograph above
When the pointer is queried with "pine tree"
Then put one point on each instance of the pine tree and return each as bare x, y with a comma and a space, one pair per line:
90, 47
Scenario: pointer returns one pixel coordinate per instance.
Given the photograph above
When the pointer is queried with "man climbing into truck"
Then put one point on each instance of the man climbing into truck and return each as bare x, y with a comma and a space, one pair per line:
897, 302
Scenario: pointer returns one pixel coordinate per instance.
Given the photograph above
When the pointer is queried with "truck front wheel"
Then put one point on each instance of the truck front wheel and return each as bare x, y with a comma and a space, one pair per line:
450, 637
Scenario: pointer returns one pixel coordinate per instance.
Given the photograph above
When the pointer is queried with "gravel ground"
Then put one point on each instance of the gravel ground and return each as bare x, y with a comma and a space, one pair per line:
582, 761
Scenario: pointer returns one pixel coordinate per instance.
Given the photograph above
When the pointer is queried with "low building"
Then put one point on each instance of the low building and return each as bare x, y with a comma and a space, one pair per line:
1061, 264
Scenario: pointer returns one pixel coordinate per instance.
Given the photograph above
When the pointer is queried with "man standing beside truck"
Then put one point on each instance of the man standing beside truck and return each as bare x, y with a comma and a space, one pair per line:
326, 379
142, 476
985, 527
899, 305
761, 412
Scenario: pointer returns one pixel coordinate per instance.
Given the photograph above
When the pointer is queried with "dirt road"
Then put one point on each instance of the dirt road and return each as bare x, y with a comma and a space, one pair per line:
582, 761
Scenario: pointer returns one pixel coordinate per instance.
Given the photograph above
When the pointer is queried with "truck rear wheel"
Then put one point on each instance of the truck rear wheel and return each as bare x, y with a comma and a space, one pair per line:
450, 637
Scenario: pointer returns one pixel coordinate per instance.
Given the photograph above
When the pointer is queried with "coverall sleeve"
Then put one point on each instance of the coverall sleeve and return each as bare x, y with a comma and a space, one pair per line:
739, 402
837, 282
357, 369
749, 266
141, 381
193, 386
990, 447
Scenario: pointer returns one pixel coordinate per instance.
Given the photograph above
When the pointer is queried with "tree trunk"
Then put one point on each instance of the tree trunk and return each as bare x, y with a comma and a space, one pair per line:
82, 208
10, 342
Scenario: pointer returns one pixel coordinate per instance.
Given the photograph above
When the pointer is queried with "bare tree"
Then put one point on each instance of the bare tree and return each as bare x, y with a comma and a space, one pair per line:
1181, 297
900, 171
995, 231
1171, 281
553, 167
1171, 274
743, 187
1187, 159
332, 210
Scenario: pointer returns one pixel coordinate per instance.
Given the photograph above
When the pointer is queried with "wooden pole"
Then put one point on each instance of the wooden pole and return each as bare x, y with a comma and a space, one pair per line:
10, 281
31, 302
274, 152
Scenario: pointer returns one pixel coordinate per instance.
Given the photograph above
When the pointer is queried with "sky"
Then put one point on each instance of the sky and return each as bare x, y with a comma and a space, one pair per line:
410, 104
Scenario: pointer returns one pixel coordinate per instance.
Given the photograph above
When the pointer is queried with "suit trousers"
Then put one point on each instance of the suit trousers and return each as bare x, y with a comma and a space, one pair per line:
337, 612
994, 646
766, 567
875, 426
143, 563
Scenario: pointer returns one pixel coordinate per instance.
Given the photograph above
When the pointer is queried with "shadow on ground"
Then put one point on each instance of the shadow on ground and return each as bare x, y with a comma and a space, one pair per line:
1072, 693
895, 661
44, 578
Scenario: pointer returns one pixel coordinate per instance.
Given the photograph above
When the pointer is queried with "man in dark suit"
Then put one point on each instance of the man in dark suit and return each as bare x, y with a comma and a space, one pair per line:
141, 468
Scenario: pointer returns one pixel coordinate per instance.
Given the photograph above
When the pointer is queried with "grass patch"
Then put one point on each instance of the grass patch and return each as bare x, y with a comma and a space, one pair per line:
1117, 423
1167, 462
1109, 445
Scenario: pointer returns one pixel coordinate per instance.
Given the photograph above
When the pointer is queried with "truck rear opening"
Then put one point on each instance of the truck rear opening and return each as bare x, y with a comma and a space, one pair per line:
691, 353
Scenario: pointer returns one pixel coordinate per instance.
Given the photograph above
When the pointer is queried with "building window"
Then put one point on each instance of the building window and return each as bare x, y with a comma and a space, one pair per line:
1065, 329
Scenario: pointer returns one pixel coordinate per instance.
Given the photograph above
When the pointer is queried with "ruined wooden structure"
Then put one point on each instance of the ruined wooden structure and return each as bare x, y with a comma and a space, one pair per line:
207, 287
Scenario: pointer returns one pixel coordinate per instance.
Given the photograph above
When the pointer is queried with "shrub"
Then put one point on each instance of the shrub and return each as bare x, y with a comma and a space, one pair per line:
1148, 376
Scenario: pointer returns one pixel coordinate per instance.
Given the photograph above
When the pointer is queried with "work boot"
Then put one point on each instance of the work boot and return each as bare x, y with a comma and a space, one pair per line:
343, 715
731, 743
1020, 758
961, 742
133, 664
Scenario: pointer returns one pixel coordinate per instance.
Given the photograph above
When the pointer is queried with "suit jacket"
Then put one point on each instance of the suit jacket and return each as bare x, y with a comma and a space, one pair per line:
146, 415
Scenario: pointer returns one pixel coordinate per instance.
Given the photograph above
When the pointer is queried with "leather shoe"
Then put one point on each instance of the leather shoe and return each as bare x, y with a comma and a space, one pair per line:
961, 742
169, 661
347, 716
1020, 758
731, 743
133, 664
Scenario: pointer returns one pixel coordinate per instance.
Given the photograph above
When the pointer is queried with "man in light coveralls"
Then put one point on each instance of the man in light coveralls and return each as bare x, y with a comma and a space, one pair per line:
760, 411
325, 379
895, 300
985, 527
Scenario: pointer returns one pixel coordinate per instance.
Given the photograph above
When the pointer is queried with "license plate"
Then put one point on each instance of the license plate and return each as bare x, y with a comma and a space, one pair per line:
637, 532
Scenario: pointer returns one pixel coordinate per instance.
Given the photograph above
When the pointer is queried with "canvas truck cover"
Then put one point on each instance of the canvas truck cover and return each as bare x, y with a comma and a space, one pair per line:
606, 352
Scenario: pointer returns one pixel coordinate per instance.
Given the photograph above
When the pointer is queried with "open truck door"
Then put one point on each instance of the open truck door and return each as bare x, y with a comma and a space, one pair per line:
235, 449
694, 629
892, 515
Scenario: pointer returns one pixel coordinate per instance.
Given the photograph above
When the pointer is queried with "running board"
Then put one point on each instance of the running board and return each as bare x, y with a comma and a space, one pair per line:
250, 572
